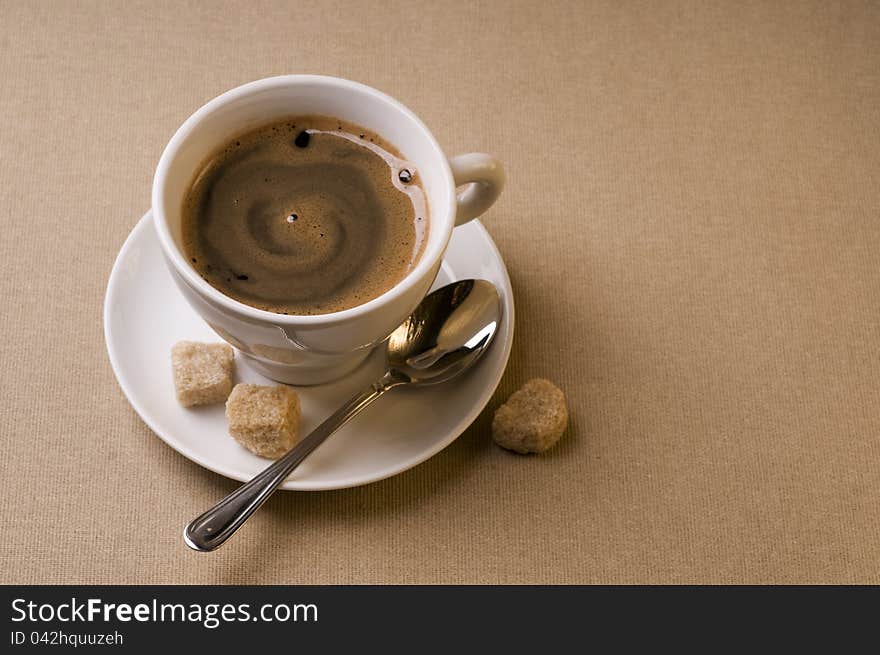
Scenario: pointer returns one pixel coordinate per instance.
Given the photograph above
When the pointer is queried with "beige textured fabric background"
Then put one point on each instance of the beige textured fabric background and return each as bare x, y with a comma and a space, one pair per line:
692, 231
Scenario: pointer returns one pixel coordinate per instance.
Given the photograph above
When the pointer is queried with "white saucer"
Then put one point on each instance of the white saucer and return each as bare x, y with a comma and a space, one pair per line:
144, 315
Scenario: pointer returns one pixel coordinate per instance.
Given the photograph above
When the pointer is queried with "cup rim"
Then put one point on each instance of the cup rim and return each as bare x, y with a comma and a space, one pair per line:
175, 256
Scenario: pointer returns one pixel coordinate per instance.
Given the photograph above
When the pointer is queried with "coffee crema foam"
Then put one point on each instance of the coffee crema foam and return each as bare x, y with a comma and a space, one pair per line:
306, 215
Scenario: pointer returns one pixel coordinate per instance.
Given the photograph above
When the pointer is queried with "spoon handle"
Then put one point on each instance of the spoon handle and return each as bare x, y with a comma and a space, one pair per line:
211, 529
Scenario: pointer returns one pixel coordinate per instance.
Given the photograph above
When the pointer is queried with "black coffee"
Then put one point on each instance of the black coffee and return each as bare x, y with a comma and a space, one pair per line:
308, 215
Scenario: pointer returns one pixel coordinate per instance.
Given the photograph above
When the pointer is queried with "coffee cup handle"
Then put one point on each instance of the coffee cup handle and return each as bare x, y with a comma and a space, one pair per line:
483, 178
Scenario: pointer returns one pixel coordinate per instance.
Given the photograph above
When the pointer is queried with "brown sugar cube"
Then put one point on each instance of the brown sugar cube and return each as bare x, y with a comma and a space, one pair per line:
265, 420
532, 419
202, 372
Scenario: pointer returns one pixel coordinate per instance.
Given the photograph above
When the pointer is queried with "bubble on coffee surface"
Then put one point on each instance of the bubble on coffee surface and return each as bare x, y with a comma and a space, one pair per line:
291, 218
405, 176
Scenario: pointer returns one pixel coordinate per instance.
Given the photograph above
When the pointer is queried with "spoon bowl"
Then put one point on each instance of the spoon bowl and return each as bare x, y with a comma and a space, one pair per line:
449, 330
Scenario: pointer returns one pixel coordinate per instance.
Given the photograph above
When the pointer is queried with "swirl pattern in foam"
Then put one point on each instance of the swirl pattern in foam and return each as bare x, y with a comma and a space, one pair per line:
305, 216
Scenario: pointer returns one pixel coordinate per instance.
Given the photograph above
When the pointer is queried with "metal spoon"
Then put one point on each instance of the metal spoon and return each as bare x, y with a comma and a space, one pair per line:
449, 331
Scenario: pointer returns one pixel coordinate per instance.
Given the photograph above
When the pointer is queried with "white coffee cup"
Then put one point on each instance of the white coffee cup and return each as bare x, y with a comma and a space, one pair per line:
318, 348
